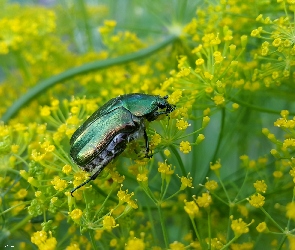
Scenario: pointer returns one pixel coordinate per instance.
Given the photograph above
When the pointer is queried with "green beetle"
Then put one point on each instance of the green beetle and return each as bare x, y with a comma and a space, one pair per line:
106, 133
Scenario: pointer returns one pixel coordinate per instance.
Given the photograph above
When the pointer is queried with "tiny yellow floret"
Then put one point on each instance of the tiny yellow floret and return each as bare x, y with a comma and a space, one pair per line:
185, 147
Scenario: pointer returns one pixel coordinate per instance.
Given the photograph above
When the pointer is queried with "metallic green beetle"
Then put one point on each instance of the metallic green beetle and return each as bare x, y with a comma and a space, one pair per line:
106, 133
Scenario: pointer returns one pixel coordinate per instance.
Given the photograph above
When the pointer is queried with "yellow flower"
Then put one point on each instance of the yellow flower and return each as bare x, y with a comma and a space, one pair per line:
278, 174
191, 208
185, 147
59, 184
239, 226
205, 122
177, 246
257, 200
200, 61
205, 200
98, 234
67, 169
182, 124
175, 97
200, 138
167, 152
73, 246
208, 75
262, 227
219, 100
155, 140
109, 222
142, 176
113, 242
117, 177
40, 239
45, 111
164, 168
186, 182
277, 42
290, 210
216, 244
22, 193
215, 166
76, 214
211, 185
135, 243
14, 148
260, 186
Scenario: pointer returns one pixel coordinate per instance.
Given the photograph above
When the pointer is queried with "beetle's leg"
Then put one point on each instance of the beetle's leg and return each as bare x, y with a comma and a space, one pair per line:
147, 148
93, 177
155, 115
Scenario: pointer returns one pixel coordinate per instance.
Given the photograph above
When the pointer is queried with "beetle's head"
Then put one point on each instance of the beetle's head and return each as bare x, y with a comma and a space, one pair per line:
163, 104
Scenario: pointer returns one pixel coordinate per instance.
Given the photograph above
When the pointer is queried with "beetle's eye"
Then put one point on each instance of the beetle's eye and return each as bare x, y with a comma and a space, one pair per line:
162, 105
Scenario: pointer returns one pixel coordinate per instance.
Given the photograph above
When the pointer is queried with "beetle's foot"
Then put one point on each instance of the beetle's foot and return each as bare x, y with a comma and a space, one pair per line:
148, 155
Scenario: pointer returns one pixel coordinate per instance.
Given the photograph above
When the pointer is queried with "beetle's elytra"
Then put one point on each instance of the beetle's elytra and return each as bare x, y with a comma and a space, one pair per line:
106, 133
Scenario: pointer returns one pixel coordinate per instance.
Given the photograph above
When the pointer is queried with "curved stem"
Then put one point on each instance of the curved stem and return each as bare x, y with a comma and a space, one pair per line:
83, 69
258, 108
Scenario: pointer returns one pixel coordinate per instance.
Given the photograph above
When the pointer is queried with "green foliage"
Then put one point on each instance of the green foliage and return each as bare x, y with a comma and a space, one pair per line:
223, 171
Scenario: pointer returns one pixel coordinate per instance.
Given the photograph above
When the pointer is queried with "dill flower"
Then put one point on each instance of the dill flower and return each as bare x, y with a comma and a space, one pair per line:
215, 166
109, 223
290, 210
59, 184
186, 182
211, 185
206, 120
200, 138
155, 140
262, 227
73, 246
256, 200
182, 124
41, 239
177, 246
76, 214
239, 226
67, 169
164, 168
175, 97
191, 208
200, 61
135, 243
185, 147
260, 186
204, 201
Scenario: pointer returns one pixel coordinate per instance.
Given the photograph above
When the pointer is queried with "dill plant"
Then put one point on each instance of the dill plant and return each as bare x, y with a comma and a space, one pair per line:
222, 175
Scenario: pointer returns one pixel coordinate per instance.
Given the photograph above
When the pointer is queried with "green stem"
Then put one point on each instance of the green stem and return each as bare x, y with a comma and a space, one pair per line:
258, 108
197, 232
218, 143
11, 208
83, 69
209, 228
20, 224
163, 225
282, 242
87, 27
176, 154
229, 243
273, 221
92, 239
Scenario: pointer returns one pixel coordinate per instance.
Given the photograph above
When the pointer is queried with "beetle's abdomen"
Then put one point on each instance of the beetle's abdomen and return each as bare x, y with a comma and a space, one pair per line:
90, 142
